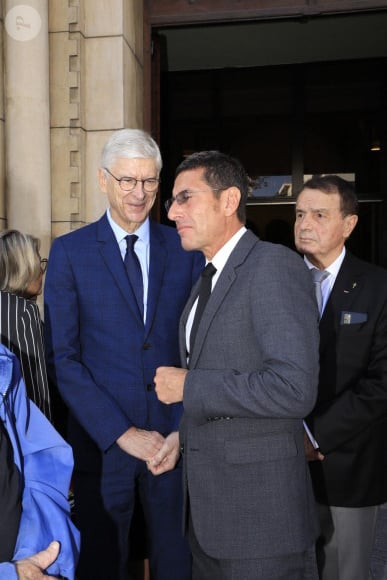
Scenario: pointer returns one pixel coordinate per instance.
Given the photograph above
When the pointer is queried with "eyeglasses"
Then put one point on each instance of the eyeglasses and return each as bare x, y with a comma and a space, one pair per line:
43, 265
183, 196
127, 184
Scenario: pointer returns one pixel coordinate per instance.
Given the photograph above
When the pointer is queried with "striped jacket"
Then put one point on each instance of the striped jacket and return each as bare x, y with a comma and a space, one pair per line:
21, 333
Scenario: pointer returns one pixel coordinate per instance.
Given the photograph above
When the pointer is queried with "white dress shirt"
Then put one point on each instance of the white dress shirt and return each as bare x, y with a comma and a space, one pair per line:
219, 261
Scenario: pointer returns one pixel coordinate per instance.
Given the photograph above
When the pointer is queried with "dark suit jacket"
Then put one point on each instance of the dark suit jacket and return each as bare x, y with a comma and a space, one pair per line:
255, 360
21, 333
349, 421
100, 354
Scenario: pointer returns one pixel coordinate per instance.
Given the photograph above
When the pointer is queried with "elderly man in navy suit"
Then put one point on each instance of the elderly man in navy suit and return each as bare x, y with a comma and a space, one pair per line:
249, 378
348, 426
114, 293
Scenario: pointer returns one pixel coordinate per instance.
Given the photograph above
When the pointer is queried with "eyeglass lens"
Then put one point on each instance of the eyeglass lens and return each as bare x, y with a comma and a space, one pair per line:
149, 185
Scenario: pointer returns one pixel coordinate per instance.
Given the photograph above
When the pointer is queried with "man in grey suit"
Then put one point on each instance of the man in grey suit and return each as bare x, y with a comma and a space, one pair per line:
246, 383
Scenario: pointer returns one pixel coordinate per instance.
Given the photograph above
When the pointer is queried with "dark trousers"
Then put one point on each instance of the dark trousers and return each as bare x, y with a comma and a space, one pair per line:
104, 507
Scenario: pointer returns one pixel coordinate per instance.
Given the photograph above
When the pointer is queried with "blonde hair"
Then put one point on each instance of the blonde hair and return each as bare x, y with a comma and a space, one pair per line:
19, 261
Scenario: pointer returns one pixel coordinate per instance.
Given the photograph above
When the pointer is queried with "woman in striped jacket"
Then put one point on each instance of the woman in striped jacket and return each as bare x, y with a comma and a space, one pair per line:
21, 278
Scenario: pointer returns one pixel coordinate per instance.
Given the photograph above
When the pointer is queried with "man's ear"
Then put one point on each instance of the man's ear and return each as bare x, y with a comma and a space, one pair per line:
232, 199
350, 222
102, 180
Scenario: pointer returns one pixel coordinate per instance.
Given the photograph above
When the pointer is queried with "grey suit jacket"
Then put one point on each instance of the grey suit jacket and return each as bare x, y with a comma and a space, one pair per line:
252, 378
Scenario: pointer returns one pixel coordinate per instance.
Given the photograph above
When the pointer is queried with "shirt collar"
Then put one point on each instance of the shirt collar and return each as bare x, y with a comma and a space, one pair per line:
333, 268
120, 234
221, 257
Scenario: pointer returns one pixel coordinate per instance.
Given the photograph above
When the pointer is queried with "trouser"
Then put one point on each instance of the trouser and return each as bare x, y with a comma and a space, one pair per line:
345, 546
104, 506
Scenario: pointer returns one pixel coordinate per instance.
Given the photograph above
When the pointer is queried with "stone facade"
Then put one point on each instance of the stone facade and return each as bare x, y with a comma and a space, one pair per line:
73, 74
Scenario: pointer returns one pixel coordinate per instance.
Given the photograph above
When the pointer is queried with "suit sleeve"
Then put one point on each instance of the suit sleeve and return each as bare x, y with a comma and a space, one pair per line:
91, 404
260, 356
32, 358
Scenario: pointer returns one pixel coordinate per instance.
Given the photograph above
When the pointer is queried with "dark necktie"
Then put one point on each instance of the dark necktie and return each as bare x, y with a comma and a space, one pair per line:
133, 269
204, 294
318, 277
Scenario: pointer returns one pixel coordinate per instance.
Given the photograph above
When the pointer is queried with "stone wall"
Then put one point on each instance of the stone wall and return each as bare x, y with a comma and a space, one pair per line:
73, 74
96, 72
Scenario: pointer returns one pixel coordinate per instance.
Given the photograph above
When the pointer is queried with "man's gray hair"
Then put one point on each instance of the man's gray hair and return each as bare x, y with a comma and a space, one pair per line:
130, 144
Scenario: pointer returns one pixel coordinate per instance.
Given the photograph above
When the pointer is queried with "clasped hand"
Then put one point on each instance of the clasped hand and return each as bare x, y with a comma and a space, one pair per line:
160, 453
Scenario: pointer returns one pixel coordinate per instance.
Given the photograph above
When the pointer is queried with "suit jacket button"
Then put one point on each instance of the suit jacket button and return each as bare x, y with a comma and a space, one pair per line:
146, 346
149, 387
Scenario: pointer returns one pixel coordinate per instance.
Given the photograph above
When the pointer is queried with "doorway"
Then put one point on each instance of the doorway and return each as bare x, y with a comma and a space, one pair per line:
289, 98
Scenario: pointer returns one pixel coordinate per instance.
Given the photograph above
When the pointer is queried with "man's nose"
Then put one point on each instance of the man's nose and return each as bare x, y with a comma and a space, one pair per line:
304, 222
138, 190
173, 211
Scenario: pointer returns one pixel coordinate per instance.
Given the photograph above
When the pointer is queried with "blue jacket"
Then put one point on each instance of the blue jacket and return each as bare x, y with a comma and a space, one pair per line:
100, 354
45, 462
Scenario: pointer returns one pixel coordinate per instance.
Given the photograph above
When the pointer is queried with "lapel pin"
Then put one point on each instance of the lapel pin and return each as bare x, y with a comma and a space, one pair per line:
354, 285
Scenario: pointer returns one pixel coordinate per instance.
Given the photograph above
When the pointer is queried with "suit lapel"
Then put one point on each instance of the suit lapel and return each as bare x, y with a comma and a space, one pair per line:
157, 264
220, 291
183, 322
344, 292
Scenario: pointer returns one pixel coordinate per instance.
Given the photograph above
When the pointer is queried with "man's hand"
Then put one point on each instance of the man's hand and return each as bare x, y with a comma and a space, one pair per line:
140, 443
33, 568
311, 453
167, 457
169, 383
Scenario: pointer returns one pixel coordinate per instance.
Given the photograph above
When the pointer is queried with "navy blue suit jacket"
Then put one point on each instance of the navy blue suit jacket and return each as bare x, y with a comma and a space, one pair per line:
99, 353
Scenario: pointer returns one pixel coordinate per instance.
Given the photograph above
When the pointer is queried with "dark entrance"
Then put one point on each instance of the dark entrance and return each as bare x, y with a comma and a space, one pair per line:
290, 97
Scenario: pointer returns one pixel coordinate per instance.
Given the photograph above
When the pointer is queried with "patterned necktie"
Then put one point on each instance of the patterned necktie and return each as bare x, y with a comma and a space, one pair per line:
204, 294
318, 277
133, 269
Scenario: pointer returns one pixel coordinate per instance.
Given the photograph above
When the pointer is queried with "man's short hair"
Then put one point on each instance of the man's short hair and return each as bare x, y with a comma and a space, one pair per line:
349, 204
220, 171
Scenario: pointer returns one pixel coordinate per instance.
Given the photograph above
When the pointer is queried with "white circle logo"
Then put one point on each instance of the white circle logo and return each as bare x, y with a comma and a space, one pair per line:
23, 22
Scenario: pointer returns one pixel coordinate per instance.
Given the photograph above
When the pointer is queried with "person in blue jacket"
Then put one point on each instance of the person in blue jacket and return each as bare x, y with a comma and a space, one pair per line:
39, 464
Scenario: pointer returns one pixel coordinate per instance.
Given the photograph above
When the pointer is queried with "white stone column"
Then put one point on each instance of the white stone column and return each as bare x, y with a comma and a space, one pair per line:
27, 119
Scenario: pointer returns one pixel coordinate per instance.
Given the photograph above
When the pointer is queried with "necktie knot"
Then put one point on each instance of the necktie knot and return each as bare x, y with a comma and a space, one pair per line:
208, 271
130, 241
319, 275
